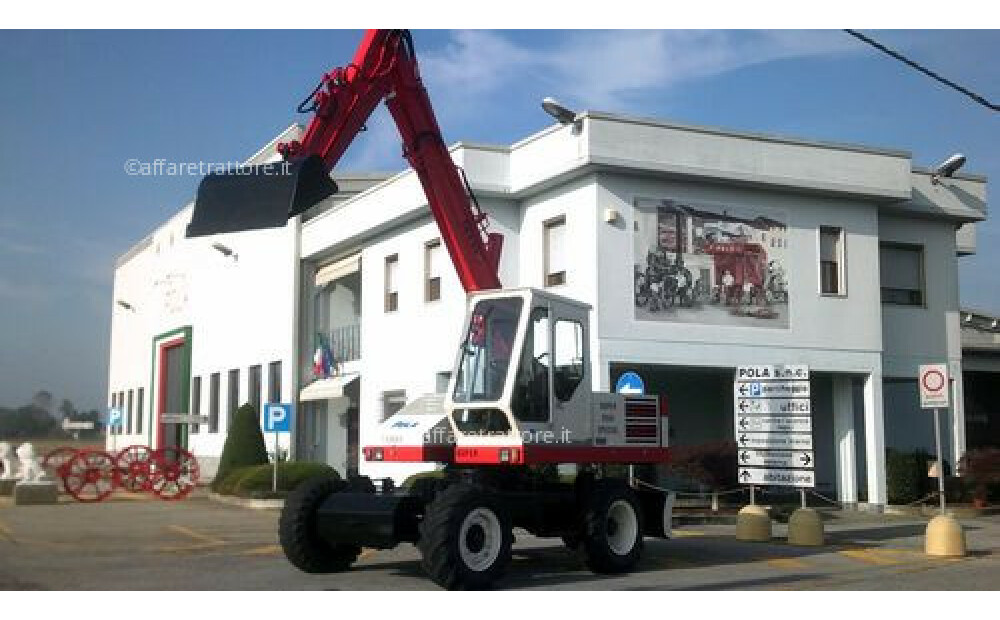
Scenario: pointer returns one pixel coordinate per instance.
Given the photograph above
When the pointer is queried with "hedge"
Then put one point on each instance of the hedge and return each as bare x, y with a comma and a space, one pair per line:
244, 445
256, 481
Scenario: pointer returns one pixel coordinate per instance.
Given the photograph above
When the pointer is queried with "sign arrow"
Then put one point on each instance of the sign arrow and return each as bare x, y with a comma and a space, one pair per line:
743, 406
806, 459
743, 389
745, 475
744, 456
743, 439
743, 423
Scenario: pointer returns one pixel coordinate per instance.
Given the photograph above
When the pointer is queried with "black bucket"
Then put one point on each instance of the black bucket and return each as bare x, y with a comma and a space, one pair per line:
256, 197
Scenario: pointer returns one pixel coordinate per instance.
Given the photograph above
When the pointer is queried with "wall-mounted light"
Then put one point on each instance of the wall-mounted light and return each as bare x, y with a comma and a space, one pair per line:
126, 305
948, 168
226, 251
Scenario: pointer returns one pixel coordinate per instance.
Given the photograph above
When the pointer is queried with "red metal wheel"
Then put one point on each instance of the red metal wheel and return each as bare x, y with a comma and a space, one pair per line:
135, 465
91, 476
175, 473
56, 464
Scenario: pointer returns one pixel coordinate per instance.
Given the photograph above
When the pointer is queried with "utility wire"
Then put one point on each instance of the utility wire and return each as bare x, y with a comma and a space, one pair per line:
965, 91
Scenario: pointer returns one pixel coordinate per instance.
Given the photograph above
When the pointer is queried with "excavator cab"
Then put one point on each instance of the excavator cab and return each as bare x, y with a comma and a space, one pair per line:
254, 197
522, 376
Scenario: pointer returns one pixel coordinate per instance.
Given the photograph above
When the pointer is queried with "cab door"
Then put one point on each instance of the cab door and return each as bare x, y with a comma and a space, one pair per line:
570, 393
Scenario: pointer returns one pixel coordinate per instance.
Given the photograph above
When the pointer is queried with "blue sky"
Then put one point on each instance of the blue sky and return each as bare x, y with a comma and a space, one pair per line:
76, 105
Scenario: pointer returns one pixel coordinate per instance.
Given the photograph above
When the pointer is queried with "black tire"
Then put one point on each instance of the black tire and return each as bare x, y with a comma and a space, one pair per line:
612, 528
465, 538
298, 533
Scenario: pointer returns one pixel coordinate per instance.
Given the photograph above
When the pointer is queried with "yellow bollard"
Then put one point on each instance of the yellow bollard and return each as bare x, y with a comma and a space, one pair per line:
945, 537
805, 528
753, 524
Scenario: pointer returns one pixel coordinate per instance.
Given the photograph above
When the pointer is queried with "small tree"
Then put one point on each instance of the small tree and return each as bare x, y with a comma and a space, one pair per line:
244, 444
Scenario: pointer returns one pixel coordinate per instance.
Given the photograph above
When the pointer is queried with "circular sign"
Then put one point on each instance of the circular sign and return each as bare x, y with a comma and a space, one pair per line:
933, 380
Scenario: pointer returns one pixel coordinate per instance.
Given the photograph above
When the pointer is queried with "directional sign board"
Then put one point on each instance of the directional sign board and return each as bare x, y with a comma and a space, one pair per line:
775, 441
777, 477
114, 416
933, 382
773, 406
183, 418
773, 425
77, 425
787, 459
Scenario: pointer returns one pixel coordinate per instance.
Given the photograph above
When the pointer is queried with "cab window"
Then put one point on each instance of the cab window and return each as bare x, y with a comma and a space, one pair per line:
568, 363
530, 398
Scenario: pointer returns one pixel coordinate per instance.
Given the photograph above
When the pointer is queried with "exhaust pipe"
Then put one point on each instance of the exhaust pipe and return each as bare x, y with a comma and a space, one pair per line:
255, 197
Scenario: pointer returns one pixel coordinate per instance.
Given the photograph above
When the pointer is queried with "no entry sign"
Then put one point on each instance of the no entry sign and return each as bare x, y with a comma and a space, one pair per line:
933, 382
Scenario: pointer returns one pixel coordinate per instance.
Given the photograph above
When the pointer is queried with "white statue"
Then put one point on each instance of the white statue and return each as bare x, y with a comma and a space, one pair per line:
7, 460
31, 470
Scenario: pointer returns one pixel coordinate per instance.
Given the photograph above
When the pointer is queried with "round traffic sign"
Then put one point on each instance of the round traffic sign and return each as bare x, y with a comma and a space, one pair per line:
933, 380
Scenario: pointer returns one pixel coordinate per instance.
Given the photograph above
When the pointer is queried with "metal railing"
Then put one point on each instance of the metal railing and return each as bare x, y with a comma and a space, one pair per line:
345, 343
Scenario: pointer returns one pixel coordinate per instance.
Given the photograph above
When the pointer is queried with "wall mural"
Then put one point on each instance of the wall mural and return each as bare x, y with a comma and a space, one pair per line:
710, 264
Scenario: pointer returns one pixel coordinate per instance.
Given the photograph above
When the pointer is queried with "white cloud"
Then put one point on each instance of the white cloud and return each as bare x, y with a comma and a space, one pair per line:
602, 69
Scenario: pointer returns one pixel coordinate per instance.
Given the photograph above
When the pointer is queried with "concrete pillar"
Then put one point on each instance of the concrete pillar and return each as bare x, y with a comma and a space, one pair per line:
875, 440
844, 439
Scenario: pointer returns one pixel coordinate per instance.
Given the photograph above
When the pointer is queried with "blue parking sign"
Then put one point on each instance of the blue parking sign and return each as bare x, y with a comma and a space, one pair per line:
278, 417
114, 416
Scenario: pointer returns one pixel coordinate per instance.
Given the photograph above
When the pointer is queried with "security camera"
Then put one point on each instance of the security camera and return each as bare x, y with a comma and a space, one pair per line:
558, 111
948, 167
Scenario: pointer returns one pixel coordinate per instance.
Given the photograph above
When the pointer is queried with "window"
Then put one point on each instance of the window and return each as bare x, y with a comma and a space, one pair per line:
530, 397
213, 403
274, 382
555, 251
568, 363
128, 412
140, 403
253, 387
441, 381
901, 273
432, 270
234, 396
486, 350
392, 283
195, 402
831, 261
392, 402
121, 407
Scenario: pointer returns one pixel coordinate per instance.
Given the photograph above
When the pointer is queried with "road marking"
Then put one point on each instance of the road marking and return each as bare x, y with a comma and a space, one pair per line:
870, 556
205, 538
265, 550
787, 563
683, 533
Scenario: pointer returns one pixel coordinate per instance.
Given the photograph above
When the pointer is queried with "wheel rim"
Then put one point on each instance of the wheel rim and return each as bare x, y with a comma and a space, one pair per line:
622, 527
480, 539
91, 476
134, 464
174, 473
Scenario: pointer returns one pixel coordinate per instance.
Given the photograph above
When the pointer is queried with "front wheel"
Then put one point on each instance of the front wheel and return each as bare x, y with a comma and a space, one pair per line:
299, 534
612, 528
465, 538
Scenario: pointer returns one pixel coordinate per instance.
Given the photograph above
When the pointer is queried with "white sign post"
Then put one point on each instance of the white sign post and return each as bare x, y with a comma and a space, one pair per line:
773, 425
934, 390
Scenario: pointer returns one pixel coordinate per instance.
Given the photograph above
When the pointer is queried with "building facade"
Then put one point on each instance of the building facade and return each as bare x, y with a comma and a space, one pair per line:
698, 249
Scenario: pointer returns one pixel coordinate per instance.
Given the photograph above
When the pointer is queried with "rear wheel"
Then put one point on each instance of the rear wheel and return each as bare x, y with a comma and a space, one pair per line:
465, 538
612, 528
299, 535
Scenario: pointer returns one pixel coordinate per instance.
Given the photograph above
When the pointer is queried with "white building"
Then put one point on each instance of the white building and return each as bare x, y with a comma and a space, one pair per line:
837, 256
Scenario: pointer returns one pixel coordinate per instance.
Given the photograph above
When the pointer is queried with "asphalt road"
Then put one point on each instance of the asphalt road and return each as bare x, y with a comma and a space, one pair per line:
196, 544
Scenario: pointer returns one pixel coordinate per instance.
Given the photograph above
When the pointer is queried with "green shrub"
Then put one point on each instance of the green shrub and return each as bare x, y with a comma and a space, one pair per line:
906, 475
712, 464
256, 481
980, 467
244, 445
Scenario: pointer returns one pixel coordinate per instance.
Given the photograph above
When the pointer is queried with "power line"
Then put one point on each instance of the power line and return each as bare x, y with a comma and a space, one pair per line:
965, 91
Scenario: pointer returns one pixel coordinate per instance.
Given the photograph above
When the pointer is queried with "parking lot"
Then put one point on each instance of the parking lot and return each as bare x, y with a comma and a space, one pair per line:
141, 543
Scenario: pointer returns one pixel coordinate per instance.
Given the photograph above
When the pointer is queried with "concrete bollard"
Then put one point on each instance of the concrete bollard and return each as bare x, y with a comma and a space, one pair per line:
753, 524
945, 537
805, 528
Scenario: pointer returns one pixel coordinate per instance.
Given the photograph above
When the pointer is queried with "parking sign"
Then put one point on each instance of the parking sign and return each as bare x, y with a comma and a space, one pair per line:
278, 417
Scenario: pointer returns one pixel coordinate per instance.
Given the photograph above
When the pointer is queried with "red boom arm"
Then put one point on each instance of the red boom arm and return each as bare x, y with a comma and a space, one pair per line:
385, 67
